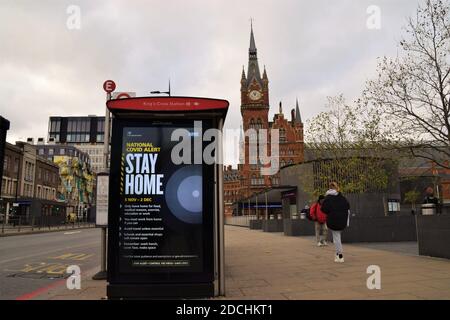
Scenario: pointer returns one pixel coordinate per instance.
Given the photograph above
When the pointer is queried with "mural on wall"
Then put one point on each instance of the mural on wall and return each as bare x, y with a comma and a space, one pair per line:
77, 181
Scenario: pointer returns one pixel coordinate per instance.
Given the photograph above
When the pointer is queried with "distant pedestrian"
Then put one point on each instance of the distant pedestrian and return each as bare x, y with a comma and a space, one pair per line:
336, 207
320, 220
431, 199
305, 213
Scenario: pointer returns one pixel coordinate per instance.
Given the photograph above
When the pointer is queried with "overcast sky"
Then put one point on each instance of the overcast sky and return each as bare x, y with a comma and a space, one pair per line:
311, 49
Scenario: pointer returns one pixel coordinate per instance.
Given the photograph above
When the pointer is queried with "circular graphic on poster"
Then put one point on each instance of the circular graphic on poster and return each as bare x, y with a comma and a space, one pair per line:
184, 192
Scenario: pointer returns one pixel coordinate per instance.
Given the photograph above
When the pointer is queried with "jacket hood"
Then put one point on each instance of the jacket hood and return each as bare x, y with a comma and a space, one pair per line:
331, 192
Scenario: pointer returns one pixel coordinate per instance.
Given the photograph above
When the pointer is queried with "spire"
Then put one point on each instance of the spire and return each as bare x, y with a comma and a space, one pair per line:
264, 73
253, 67
298, 118
243, 74
281, 108
252, 49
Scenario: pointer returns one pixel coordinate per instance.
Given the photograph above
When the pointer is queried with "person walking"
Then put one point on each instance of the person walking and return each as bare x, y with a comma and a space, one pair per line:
320, 220
431, 199
336, 208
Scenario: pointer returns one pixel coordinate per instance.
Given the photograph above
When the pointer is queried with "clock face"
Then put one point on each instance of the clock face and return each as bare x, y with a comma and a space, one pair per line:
254, 95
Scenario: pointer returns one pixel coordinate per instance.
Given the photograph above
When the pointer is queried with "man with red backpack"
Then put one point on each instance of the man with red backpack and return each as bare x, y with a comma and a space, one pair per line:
320, 220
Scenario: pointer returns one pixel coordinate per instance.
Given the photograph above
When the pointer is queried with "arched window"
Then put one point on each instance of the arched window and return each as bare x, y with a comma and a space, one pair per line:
252, 124
259, 124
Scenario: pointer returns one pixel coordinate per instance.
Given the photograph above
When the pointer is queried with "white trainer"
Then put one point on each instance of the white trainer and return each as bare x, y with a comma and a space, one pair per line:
338, 260
319, 244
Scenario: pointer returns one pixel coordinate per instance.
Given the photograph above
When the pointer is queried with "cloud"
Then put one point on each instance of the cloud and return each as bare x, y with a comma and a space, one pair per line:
311, 49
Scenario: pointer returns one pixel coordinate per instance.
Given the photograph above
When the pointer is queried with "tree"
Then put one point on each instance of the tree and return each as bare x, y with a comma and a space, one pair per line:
344, 143
412, 197
412, 91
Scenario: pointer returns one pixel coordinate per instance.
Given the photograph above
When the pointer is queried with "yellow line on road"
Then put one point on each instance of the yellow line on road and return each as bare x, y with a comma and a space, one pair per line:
49, 251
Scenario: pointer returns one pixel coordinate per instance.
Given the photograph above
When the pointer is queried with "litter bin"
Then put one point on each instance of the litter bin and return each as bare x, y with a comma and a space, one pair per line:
428, 209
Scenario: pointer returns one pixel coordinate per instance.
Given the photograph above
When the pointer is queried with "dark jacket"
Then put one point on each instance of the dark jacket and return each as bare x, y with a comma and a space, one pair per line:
336, 208
431, 199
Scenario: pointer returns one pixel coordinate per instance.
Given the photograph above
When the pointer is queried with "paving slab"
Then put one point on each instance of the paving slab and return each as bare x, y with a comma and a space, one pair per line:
271, 266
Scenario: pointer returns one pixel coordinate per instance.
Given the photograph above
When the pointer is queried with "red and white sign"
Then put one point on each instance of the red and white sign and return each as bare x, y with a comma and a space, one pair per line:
167, 104
109, 86
123, 95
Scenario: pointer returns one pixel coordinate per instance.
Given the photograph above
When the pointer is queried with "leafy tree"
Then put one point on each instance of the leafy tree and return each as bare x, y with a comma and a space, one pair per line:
345, 143
412, 91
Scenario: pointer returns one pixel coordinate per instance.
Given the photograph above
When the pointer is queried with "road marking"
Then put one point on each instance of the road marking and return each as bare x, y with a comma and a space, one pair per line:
73, 256
49, 251
72, 232
31, 295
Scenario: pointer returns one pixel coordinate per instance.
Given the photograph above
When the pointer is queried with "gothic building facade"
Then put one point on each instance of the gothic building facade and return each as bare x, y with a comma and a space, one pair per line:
248, 179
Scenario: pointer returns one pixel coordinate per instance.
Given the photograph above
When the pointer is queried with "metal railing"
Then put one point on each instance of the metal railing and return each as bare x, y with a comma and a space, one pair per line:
20, 224
242, 221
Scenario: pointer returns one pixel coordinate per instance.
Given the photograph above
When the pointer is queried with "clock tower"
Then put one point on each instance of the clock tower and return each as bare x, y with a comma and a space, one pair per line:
254, 92
255, 115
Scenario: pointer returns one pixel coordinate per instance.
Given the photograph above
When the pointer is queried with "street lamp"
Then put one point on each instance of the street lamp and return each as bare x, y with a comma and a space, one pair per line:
162, 92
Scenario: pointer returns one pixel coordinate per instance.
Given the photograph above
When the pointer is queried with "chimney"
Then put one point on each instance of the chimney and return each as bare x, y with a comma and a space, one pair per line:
292, 117
30, 140
40, 141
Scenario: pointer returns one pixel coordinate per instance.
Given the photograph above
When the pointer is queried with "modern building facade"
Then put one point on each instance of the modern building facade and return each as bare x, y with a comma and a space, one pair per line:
85, 133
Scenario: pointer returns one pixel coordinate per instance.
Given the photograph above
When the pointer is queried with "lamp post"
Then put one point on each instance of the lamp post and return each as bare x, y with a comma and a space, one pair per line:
162, 92
109, 86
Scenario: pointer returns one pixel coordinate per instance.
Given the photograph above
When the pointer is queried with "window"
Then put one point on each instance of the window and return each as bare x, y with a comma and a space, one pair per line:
6, 163
41, 152
282, 133
51, 151
16, 165
252, 124
78, 130
55, 136
100, 137
4, 184
62, 151
100, 125
259, 124
55, 125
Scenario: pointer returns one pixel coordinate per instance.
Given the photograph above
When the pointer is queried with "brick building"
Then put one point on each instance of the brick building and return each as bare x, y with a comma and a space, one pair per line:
247, 179
29, 186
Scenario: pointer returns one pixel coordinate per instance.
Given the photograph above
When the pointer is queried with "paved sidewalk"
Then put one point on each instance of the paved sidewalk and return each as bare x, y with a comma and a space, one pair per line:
273, 266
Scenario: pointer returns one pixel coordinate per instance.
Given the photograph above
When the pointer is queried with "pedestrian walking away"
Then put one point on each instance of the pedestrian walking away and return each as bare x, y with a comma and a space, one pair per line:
336, 208
430, 198
320, 220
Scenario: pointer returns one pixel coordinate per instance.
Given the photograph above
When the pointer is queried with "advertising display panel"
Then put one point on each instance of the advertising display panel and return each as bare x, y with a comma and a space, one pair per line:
162, 238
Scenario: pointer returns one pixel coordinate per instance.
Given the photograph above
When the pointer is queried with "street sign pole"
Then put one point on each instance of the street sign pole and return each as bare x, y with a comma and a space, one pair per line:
109, 86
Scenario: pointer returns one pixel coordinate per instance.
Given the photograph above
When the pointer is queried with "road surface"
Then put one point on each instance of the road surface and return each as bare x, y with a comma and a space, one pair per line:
29, 264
